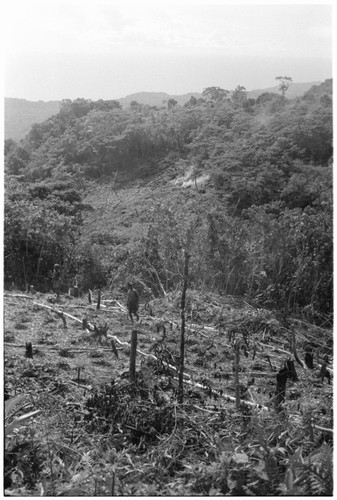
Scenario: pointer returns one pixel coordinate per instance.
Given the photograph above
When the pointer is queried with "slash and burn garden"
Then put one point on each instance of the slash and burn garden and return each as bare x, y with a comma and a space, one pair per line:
220, 212
77, 422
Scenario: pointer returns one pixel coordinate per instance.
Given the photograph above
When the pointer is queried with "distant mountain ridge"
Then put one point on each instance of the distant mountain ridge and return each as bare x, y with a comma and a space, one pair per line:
159, 98
156, 98
21, 114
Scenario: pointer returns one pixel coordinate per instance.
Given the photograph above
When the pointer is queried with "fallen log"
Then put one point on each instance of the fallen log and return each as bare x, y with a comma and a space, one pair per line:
195, 384
323, 429
18, 295
56, 311
230, 398
121, 306
56, 348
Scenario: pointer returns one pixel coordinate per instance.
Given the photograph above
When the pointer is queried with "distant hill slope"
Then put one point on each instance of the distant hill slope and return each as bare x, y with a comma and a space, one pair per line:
160, 98
156, 98
295, 90
20, 115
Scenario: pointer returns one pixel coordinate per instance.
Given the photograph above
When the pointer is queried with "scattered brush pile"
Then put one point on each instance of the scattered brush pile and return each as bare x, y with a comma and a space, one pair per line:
76, 425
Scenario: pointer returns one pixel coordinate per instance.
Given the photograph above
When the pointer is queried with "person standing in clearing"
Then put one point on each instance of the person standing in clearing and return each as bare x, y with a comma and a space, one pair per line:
57, 280
132, 302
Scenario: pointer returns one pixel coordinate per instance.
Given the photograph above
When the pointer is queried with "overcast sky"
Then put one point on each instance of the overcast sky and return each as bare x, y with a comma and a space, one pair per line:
107, 49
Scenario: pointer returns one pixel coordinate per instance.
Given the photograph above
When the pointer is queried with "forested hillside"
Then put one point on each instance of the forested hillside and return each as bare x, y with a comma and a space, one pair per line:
245, 184
21, 114
220, 213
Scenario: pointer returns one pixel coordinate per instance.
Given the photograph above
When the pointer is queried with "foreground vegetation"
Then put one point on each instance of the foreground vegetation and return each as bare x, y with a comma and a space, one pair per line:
244, 188
96, 433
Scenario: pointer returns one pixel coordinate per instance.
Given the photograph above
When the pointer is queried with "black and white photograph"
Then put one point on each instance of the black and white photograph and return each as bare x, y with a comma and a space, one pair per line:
167, 235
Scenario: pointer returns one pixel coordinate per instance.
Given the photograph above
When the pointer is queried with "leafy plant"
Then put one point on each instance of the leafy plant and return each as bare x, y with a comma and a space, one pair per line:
311, 475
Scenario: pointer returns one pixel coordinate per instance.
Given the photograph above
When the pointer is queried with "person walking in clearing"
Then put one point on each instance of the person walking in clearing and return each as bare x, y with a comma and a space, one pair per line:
132, 302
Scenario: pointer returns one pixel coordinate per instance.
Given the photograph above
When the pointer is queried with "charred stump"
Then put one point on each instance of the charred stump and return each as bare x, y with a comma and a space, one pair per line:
98, 299
309, 358
281, 386
114, 348
292, 374
29, 350
287, 372
324, 372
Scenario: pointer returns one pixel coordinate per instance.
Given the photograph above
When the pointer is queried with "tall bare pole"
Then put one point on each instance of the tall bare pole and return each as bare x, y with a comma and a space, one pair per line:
133, 354
237, 369
182, 333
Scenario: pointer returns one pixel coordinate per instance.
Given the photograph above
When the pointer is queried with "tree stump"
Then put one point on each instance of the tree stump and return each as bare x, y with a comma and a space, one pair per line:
309, 358
114, 348
287, 372
98, 299
281, 386
292, 374
29, 350
324, 372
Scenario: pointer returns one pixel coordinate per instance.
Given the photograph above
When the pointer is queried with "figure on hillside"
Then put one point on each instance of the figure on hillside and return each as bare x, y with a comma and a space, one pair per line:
56, 280
132, 302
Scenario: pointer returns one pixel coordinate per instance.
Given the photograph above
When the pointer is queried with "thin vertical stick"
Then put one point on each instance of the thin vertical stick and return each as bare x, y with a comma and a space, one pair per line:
294, 347
237, 382
133, 354
182, 334
113, 484
25, 274
99, 299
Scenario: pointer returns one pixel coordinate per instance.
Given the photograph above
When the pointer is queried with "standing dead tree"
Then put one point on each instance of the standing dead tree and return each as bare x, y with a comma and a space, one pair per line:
182, 333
